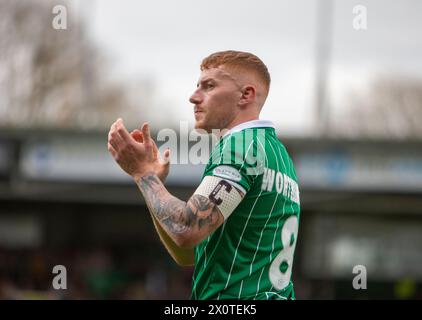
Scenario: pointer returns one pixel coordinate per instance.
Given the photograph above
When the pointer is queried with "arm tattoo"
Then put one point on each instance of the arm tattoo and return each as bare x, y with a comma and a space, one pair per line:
178, 216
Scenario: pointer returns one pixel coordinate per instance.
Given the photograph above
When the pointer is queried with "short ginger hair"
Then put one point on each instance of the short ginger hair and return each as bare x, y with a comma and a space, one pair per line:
239, 60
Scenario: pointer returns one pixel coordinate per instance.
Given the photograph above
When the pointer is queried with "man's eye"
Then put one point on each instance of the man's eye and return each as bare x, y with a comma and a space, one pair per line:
210, 86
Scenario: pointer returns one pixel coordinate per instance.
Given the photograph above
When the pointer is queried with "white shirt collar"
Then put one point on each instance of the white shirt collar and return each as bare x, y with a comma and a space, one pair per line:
250, 124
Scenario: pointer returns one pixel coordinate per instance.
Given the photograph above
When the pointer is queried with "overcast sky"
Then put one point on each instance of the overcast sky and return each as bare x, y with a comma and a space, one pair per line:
166, 40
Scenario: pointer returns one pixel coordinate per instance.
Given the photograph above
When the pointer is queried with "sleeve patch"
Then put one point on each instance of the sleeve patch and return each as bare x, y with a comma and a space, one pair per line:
227, 172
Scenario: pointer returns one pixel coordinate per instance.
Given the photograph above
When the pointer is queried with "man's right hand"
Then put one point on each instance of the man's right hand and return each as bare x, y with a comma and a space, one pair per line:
163, 161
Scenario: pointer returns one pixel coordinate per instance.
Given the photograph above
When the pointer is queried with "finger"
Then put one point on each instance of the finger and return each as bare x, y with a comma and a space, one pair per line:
114, 138
146, 134
154, 149
121, 129
111, 131
112, 150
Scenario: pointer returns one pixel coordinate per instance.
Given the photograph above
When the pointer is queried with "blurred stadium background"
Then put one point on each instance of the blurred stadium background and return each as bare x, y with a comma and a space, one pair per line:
347, 104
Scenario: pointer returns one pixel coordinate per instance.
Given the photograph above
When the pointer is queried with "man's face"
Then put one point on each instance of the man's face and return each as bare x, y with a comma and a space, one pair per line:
215, 99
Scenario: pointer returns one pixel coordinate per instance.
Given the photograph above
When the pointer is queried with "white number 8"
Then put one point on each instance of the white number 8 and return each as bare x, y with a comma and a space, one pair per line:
279, 279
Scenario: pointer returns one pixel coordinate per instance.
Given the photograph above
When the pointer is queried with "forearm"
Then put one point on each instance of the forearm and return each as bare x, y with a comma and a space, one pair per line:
172, 214
182, 256
185, 223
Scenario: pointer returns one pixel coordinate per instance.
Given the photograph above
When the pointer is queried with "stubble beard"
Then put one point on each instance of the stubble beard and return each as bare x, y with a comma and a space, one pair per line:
209, 126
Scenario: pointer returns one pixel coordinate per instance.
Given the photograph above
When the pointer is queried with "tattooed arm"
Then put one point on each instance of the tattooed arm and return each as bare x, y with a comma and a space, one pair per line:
183, 256
180, 225
186, 224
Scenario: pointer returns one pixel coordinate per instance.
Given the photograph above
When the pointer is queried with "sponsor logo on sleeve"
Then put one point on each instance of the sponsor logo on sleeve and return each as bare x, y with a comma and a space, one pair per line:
227, 172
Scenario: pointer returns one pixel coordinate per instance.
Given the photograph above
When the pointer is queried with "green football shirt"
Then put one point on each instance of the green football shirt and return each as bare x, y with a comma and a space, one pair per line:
250, 256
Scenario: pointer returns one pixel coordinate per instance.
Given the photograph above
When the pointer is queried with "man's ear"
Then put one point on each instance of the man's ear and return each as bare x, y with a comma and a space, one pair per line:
248, 95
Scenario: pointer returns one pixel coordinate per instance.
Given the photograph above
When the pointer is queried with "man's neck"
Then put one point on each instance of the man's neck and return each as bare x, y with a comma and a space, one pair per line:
238, 121
221, 133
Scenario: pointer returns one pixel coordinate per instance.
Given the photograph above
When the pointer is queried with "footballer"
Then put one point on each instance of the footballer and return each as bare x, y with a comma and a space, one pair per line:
240, 227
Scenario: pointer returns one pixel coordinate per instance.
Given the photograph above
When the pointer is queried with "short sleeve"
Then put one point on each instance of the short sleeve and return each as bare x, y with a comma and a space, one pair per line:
239, 159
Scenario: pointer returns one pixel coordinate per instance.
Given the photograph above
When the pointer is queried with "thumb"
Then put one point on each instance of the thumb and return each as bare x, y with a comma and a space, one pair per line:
166, 156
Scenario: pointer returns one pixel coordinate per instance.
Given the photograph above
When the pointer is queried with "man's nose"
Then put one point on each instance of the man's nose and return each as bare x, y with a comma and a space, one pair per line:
195, 98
